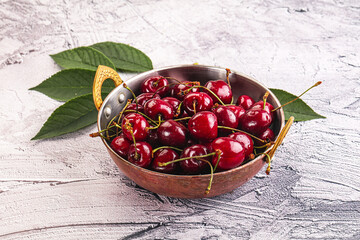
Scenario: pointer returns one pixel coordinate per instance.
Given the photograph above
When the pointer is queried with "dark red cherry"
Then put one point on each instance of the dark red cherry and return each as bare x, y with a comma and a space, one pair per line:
174, 102
132, 106
267, 135
203, 126
193, 165
255, 121
154, 108
260, 105
221, 89
153, 138
238, 110
120, 145
245, 140
144, 97
172, 133
232, 153
197, 102
178, 90
165, 155
245, 101
157, 84
137, 124
227, 118
142, 156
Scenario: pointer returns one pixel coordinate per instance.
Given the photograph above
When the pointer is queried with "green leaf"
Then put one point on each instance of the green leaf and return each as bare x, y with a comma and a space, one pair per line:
70, 83
299, 109
125, 57
82, 57
73, 115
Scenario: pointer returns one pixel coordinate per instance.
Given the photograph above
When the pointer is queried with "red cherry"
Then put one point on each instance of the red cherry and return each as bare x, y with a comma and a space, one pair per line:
137, 124
227, 118
154, 108
153, 138
178, 90
200, 100
162, 156
221, 89
172, 133
203, 126
245, 101
238, 110
193, 165
174, 102
245, 140
141, 156
157, 84
260, 105
255, 121
232, 153
144, 97
120, 145
267, 135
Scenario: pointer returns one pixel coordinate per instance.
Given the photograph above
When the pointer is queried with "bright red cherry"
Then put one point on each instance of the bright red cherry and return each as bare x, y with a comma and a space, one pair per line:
226, 117
120, 145
174, 102
232, 153
172, 133
255, 121
154, 108
142, 156
193, 165
178, 91
260, 105
137, 124
267, 135
144, 97
165, 155
238, 110
157, 84
203, 126
245, 101
197, 102
221, 89
245, 140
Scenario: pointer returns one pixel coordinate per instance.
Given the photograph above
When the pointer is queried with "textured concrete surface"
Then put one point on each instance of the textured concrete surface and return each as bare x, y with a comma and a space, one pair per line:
68, 187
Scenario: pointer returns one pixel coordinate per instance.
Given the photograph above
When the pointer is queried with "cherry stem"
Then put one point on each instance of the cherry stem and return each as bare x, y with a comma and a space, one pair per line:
133, 137
158, 124
178, 110
132, 93
315, 85
228, 71
218, 152
194, 106
265, 98
269, 163
200, 159
265, 145
98, 134
181, 119
162, 147
142, 114
216, 96
238, 130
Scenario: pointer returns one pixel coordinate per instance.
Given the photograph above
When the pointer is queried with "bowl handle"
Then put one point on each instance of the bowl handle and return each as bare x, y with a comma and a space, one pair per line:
281, 136
103, 73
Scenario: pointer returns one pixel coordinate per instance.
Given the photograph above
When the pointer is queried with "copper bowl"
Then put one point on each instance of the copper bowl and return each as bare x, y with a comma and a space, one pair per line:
182, 186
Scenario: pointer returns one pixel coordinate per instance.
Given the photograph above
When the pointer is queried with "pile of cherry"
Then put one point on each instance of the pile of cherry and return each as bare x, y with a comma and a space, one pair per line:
185, 128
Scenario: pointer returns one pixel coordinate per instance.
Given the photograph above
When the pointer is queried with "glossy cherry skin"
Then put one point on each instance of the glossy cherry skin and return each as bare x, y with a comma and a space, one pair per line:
120, 145
245, 101
144, 97
221, 89
174, 102
238, 110
203, 126
193, 165
201, 101
178, 90
267, 135
165, 155
227, 118
245, 140
157, 84
232, 153
143, 156
154, 108
138, 124
255, 121
172, 133
260, 105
